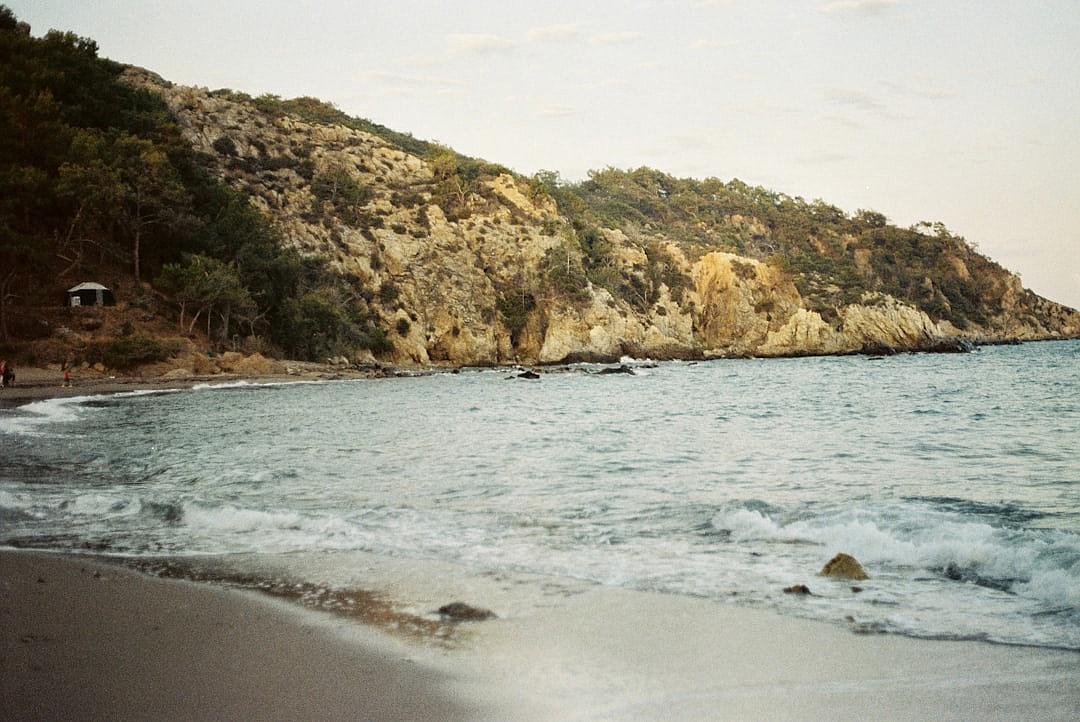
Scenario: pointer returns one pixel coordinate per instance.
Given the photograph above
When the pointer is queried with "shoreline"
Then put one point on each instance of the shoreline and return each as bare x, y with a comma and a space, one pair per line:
39, 384
94, 639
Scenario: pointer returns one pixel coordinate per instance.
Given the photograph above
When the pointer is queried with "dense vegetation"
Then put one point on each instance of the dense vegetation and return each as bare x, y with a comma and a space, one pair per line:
97, 181
834, 258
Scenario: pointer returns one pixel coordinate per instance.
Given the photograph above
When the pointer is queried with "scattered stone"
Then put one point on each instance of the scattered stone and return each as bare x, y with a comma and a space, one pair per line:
41, 580
850, 619
461, 612
97, 575
622, 369
844, 566
99, 367
798, 589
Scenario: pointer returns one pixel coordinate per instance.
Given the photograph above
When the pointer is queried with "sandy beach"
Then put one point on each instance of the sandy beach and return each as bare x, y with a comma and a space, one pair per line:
84, 640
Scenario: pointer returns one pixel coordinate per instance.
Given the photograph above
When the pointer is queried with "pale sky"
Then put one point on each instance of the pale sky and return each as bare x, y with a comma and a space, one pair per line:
965, 112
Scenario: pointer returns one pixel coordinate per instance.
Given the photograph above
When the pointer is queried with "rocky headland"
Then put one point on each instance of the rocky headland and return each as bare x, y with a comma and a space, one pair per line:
493, 281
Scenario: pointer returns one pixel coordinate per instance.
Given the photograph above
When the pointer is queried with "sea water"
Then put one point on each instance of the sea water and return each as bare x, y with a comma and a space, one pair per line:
954, 479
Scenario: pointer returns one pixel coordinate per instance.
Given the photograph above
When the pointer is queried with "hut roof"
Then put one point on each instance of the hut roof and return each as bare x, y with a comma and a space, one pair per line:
87, 287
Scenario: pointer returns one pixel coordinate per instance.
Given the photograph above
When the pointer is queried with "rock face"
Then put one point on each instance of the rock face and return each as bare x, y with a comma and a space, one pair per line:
479, 286
844, 566
461, 612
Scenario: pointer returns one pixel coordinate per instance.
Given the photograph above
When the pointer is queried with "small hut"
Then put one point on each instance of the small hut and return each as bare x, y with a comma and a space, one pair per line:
90, 294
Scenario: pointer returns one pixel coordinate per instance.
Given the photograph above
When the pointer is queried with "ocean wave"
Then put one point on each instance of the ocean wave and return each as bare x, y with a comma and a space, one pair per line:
30, 419
268, 530
1038, 564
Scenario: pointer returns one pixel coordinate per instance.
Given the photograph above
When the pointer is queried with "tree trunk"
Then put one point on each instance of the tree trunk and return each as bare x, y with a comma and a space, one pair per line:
138, 240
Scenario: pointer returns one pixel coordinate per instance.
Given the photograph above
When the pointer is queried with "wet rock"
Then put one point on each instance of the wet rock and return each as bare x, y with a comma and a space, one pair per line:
950, 345
461, 612
856, 590
844, 566
952, 571
621, 369
528, 375
878, 349
798, 589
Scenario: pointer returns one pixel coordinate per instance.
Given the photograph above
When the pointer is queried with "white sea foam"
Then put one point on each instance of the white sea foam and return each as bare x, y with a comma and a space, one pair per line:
267, 530
1039, 564
31, 419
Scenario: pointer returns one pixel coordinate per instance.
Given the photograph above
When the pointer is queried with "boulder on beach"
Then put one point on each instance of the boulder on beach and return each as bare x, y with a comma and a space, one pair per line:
797, 589
844, 566
461, 612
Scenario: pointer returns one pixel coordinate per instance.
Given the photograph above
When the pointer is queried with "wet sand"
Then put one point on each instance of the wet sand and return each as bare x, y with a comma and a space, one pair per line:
82, 640
123, 645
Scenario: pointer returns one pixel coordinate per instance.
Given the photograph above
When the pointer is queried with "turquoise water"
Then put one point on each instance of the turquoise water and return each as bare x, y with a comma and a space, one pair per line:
955, 479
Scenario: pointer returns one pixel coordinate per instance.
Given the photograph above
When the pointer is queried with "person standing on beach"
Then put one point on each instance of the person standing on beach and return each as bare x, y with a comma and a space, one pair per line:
3, 370
67, 373
8, 376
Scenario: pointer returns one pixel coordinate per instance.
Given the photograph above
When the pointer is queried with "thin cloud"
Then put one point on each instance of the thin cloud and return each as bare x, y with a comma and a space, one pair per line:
398, 80
843, 121
858, 7
554, 34
712, 44
926, 93
629, 36
854, 99
478, 44
823, 158
601, 84
556, 111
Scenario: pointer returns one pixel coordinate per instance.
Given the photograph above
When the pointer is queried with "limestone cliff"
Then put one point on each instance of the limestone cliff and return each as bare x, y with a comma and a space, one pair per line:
486, 269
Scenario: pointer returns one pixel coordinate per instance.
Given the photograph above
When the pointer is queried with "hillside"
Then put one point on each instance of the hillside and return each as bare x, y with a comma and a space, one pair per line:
287, 227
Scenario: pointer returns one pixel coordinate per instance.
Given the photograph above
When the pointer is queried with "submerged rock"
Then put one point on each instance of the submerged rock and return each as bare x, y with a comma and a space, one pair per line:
528, 375
798, 589
461, 612
844, 566
621, 369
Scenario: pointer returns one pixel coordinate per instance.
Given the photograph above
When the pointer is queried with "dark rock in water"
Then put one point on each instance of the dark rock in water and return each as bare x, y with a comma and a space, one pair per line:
461, 612
844, 566
952, 571
877, 348
797, 589
856, 590
528, 374
622, 369
950, 345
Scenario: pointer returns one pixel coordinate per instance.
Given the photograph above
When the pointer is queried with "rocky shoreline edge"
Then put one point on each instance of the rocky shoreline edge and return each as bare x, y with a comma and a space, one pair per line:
37, 383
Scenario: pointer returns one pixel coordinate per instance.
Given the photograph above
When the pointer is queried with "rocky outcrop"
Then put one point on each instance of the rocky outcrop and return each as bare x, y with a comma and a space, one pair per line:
480, 285
844, 566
